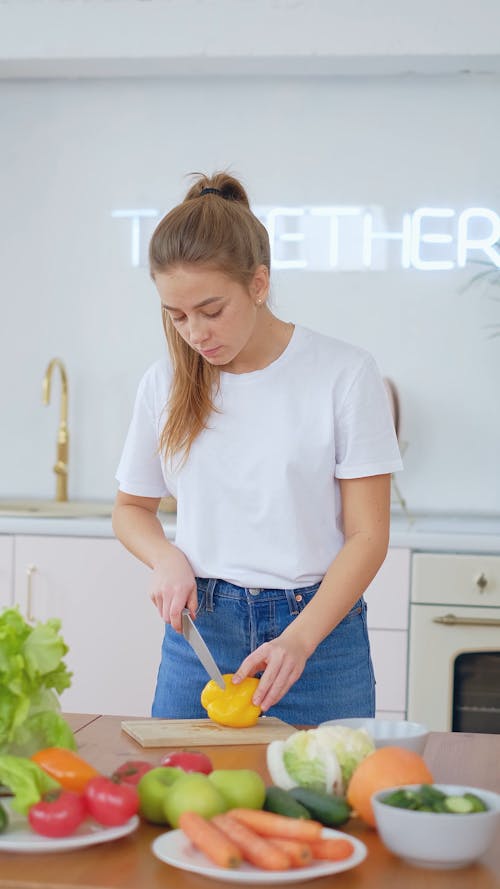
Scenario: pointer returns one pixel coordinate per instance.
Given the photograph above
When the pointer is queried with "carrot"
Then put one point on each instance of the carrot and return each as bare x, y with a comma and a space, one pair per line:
300, 853
331, 849
270, 824
254, 848
210, 840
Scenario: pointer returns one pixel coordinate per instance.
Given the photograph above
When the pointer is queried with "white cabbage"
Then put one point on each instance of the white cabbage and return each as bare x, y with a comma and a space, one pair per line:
303, 760
350, 745
321, 759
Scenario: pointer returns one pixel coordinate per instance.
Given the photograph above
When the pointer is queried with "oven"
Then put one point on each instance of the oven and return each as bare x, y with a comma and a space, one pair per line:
454, 642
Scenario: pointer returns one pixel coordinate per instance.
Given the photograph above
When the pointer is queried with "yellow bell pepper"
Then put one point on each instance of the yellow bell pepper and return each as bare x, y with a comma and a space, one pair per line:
233, 704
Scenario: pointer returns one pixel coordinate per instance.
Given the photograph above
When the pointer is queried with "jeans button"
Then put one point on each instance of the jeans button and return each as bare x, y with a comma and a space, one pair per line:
254, 591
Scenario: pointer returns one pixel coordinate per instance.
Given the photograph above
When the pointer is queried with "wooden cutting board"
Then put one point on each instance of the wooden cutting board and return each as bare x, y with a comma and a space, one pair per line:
203, 732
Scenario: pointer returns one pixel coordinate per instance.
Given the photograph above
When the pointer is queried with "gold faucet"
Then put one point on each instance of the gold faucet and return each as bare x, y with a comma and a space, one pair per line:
61, 464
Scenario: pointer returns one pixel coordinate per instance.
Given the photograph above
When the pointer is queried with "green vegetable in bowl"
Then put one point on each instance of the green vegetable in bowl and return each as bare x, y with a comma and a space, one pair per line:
430, 799
32, 675
464, 805
477, 804
403, 799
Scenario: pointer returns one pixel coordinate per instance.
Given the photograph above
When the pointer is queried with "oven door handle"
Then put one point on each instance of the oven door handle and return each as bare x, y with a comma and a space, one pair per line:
452, 620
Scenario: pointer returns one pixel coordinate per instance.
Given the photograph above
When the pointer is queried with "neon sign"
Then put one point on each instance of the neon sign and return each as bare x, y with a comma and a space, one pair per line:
341, 238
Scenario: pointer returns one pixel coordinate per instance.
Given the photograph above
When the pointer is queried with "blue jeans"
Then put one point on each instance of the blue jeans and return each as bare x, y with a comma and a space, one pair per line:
337, 681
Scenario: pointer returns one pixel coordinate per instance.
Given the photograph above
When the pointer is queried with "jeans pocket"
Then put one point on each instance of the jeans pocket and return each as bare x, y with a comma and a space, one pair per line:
201, 587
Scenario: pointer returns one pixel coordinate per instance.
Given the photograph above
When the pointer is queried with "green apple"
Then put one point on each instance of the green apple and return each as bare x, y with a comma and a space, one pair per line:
153, 788
193, 792
242, 788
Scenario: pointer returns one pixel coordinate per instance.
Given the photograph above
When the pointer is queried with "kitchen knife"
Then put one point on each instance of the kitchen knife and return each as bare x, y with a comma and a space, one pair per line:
200, 647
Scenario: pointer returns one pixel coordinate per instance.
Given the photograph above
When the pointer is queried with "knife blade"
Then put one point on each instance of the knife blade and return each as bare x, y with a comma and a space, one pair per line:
200, 647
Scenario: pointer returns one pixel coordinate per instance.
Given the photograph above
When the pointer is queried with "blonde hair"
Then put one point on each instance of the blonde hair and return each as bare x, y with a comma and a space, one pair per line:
215, 229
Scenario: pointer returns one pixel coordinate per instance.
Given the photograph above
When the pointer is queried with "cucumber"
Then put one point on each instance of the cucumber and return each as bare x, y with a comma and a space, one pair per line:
282, 803
430, 795
459, 805
477, 804
402, 799
332, 811
430, 799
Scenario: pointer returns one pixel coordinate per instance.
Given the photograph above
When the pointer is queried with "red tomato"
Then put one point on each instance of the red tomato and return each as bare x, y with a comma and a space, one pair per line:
110, 802
189, 761
131, 772
58, 813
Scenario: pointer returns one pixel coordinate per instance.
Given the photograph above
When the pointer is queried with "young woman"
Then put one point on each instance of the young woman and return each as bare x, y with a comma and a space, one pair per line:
278, 443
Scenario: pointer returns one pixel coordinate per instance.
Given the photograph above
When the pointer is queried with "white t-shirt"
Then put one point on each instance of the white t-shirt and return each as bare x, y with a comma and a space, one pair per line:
258, 500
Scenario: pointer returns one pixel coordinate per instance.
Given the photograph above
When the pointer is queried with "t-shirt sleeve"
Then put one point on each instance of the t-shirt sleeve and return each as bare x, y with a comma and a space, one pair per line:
140, 469
365, 438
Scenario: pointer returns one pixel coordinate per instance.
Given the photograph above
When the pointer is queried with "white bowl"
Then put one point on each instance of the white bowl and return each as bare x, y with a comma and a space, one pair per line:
438, 840
389, 732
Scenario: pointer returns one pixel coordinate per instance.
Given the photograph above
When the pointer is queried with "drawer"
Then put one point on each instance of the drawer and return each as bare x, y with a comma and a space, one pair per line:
445, 579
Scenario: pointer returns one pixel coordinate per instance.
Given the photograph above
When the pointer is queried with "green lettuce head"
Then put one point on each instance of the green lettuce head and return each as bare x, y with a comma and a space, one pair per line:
32, 675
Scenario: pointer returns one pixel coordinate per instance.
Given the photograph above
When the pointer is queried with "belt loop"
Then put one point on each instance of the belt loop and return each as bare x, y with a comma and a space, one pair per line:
209, 595
292, 601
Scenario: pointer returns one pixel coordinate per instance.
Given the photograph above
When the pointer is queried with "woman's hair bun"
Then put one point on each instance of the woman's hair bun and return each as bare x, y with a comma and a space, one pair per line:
229, 187
214, 226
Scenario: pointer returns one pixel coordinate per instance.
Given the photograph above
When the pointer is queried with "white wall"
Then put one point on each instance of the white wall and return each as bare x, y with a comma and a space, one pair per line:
72, 151
125, 37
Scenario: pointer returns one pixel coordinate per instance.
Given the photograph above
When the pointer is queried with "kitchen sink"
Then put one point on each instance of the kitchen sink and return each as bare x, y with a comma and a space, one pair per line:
69, 509
56, 509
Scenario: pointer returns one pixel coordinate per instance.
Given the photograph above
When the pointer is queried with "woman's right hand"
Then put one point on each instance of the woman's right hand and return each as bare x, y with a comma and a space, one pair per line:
173, 587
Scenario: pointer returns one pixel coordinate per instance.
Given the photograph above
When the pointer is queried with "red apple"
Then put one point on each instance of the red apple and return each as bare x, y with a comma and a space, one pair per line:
188, 761
131, 772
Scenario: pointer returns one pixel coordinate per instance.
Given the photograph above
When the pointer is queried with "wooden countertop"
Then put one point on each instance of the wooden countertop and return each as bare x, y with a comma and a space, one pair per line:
129, 863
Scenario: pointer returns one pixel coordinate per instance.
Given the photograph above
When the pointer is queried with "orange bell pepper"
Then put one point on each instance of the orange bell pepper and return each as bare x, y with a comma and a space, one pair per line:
71, 771
232, 705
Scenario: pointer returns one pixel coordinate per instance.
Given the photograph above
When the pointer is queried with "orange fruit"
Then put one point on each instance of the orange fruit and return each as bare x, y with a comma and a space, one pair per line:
385, 767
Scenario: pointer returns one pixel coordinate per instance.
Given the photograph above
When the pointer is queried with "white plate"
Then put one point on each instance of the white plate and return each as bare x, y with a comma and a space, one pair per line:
20, 838
174, 848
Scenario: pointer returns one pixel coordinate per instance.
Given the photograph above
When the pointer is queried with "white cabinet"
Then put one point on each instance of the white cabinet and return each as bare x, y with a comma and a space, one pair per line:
6, 570
114, 633
388, 598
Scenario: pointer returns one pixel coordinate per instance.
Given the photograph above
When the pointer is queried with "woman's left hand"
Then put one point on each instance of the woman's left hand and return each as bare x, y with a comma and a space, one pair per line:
282, 661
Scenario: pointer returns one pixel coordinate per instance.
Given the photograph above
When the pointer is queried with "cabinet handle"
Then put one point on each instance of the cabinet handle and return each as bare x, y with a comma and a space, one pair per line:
30, 570
451, 621
482, 582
